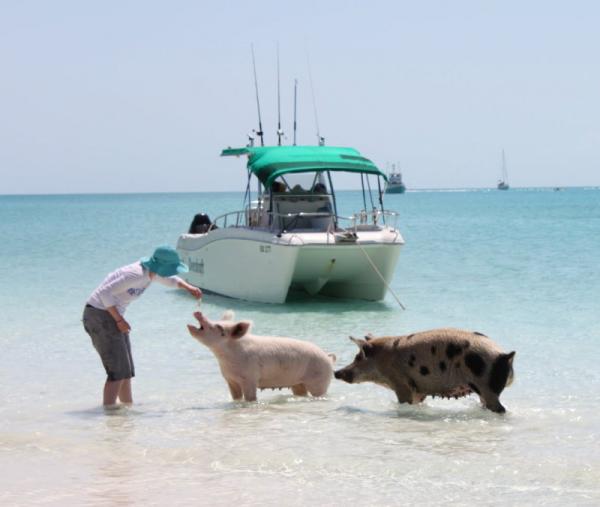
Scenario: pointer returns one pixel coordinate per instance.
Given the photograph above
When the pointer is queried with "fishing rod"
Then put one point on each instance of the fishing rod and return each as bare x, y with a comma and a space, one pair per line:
295, 102
279, 131
260, 129
321, 140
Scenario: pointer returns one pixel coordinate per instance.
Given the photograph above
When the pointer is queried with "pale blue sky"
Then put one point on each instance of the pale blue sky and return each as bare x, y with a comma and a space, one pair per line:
140, 96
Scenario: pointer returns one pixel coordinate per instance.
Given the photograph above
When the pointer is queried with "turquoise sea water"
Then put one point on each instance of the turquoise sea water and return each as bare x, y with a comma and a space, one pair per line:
520, 266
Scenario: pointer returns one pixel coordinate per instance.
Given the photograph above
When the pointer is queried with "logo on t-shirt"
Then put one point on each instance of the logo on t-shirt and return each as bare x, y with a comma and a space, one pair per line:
135, 292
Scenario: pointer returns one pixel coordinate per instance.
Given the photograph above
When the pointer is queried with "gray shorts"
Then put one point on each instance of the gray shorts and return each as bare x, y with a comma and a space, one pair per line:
112, 345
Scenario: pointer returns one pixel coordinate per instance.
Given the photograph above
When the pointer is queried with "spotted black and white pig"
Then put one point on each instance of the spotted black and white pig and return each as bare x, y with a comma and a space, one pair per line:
249, 362
441, 362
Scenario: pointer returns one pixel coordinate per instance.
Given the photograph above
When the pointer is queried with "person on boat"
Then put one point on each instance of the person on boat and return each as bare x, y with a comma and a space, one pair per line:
278, 187
104, 321
201, 224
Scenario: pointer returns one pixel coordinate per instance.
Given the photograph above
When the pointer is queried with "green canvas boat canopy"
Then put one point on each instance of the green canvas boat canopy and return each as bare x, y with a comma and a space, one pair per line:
270, 162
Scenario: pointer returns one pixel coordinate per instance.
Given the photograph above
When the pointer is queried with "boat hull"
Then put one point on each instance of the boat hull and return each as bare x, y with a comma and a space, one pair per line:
400, 189
263, 267
345, 271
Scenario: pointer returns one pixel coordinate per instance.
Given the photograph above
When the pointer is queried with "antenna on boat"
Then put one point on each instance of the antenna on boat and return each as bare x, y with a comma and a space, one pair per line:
260, 129
295, 102
279, 131
321, 140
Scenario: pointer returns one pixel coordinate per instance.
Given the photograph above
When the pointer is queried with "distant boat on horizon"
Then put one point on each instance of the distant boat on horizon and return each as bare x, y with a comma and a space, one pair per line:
503, 181
395, 185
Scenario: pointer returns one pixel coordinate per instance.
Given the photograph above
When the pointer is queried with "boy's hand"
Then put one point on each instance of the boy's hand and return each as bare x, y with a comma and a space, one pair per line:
123, 326
194, 291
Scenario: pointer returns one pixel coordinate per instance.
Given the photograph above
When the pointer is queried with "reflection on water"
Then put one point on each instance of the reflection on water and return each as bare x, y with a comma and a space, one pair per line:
356, 443
115, 474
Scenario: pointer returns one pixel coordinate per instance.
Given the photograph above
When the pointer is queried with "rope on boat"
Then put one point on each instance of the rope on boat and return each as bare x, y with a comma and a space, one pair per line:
380, 275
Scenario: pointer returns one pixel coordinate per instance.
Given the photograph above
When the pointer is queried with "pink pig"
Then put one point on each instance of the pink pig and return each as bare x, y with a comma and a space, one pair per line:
249, 362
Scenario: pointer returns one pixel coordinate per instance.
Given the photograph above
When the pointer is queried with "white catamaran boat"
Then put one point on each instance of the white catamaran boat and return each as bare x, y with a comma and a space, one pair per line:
289, 234
503, 181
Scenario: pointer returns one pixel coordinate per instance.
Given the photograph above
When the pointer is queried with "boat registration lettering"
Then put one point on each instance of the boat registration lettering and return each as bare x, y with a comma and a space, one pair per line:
265, 248
196, 266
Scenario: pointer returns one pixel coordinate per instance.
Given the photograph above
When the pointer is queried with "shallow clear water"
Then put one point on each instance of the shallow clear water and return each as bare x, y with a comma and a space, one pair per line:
520, 266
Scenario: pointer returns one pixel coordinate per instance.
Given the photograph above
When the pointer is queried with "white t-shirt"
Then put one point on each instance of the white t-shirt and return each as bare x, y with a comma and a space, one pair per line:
124, 285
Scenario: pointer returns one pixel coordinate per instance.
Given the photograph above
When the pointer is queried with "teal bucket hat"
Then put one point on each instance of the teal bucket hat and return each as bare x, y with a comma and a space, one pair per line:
164, 262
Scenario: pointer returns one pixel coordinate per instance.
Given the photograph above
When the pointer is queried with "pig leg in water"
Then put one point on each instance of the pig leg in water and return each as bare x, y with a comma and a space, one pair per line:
299, 390
235, 390
249, 390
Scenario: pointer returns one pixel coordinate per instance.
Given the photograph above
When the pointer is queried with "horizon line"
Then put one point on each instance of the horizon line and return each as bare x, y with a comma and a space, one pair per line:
424, 189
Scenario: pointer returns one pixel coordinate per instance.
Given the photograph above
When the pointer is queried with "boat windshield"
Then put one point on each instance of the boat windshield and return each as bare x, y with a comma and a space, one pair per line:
301, 183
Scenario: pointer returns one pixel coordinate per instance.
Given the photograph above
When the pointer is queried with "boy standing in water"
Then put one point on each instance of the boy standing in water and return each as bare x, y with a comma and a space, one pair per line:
103, 316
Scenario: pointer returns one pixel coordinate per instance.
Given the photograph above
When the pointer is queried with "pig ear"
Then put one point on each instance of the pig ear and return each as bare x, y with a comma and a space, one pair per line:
240, 329
369, 336
360, 343
228, 315
369, 349
509, 357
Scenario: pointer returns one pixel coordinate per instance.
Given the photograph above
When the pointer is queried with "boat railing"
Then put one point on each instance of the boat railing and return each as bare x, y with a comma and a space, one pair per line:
373, 219
256, 218
231, 219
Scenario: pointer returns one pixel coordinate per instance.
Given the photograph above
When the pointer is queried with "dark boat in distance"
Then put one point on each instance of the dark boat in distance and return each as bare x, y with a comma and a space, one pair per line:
395, 185
503, 181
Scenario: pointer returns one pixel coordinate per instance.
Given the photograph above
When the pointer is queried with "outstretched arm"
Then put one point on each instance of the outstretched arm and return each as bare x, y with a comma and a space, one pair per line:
175, 281
194, 291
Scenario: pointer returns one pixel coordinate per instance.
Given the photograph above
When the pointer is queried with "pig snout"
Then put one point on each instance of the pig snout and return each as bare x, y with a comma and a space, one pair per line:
345, 375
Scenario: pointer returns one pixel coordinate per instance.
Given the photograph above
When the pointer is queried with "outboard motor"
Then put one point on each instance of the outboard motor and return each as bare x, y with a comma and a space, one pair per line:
200, 224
